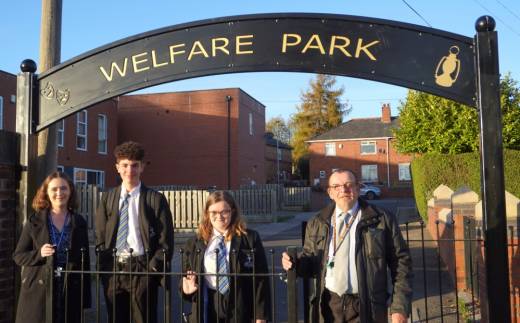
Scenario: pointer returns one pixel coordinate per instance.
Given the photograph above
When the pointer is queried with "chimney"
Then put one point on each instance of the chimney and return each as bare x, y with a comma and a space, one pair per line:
386, 113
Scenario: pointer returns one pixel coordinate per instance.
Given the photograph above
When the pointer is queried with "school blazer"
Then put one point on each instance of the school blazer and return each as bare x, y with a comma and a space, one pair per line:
37, 269
246, 296
155, 225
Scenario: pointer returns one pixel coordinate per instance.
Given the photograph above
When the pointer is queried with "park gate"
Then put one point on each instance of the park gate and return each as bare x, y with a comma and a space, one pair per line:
434, 61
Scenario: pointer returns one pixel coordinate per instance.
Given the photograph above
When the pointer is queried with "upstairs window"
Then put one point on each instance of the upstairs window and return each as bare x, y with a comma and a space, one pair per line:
81, 130
330, 149
368, 147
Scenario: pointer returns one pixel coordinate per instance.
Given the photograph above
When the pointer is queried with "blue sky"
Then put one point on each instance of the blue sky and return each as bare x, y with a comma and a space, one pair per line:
93, 23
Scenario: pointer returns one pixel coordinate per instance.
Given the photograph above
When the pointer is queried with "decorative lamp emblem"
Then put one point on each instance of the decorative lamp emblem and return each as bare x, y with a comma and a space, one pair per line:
448, 69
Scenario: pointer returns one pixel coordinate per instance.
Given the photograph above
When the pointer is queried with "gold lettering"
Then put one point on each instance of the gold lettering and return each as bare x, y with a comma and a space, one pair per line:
318, 45
215, 47
154, 60
341, 47
285, 43
201, 50
173, 52
114, 65
360, 48
239, 44
135, 62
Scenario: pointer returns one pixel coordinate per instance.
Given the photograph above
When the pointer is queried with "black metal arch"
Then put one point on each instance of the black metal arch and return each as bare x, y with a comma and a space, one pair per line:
374, 49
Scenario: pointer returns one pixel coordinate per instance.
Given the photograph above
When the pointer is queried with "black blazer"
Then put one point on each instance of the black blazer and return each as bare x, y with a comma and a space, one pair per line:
155, 224
37, 269
246, 296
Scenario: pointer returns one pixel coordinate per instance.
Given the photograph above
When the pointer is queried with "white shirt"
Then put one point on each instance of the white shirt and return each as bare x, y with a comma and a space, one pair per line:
350, 275
134, 239
210, 259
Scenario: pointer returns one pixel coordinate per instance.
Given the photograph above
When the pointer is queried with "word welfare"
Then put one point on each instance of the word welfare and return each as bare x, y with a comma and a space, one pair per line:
243, 45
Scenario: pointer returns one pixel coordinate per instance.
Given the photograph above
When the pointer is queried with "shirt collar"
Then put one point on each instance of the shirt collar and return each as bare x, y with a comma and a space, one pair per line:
339, 212
218, 234
133, 193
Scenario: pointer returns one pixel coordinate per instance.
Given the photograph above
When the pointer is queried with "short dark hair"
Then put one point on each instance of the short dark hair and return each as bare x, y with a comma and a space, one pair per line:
130, 150
342, 170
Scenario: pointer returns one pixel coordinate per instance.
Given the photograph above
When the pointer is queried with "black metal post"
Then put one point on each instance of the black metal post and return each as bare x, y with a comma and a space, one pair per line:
292, 290
228, 99
492, 170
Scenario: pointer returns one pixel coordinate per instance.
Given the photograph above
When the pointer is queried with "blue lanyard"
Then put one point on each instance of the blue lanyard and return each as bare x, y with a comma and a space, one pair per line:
54, 231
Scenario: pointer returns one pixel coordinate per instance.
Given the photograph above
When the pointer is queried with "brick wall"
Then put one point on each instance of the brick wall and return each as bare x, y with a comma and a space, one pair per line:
8, 157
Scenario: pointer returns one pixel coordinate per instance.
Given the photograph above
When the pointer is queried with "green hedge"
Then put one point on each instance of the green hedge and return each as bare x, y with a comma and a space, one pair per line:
433, 169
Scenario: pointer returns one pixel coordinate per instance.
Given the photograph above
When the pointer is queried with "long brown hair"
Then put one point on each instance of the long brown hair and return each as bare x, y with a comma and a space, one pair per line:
41, 200
237, 225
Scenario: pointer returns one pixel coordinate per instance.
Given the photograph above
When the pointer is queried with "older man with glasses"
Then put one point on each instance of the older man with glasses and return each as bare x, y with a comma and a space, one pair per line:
358, 256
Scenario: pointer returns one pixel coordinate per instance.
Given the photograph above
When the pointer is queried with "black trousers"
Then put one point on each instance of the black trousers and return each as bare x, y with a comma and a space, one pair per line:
339, 309
135, 297
217, 306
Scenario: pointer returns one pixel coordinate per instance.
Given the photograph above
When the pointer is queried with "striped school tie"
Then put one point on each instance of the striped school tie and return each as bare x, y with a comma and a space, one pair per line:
223, 281
122, 230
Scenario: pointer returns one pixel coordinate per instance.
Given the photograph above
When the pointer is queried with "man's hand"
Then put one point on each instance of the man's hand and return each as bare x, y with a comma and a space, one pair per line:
189, 283
399, 318
287, 263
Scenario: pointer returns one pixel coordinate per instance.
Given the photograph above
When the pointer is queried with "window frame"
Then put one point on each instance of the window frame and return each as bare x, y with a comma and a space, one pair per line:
372, 167
60, 133
78, 134
400, 166
328, 151
367, 143
103, 117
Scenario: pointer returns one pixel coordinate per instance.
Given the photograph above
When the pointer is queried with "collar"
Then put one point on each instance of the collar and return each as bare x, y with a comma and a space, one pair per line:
338, 212
217, 234
133, 193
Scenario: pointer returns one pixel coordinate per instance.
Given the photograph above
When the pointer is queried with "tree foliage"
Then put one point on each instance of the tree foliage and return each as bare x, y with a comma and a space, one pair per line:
279, 128
320, 110
433, 124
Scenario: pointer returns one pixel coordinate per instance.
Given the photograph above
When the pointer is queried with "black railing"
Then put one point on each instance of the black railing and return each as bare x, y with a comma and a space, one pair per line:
436, 286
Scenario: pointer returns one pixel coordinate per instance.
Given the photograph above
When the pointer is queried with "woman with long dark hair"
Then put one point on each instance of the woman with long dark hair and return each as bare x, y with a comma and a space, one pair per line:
53, 237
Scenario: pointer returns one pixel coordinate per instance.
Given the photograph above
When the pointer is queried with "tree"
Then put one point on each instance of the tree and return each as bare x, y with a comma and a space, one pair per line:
319, 111
279, 128
432, 124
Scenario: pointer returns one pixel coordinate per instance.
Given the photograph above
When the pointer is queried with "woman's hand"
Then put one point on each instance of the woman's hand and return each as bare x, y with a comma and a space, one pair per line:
189, 283
47, 250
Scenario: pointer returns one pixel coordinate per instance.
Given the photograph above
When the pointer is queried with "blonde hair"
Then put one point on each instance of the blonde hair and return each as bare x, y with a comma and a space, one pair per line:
237, 225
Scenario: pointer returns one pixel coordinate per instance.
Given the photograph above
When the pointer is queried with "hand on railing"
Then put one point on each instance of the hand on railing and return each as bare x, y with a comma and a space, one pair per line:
189, 283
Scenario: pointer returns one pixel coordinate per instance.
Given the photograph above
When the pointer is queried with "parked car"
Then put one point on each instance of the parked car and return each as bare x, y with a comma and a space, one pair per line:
369, 191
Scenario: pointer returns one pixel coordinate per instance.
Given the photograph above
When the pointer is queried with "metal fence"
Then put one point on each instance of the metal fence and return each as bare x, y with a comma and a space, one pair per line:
445, 290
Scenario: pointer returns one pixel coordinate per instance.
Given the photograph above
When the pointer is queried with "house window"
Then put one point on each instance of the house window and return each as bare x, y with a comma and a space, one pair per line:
368, 147
13, 98
322, 174
250, 123
330, 149
60, 168
60, 132
81, 130
89, 176
404, 172
102, 134
369, 173
1, 112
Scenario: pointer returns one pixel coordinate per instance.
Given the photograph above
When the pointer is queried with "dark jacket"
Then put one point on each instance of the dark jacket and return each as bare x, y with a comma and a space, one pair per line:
37, 269
155, 224
382, 256
240, 286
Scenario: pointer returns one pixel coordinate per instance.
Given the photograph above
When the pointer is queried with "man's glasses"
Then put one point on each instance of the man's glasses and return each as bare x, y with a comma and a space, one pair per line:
221, 213
347, 186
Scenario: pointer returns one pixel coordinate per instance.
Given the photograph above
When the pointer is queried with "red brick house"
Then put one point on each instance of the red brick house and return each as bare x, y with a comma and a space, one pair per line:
185, 135
367, 147
278, 160
7, 101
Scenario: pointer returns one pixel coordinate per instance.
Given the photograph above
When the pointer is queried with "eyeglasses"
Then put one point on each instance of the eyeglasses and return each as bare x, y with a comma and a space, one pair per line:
346, 186
221, 213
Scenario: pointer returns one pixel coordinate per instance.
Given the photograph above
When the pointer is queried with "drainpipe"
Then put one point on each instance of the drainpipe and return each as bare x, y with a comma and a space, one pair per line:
228, 99
388, 162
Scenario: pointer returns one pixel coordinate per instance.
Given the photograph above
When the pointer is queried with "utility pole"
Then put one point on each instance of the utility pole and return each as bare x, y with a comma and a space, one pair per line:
50, 55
